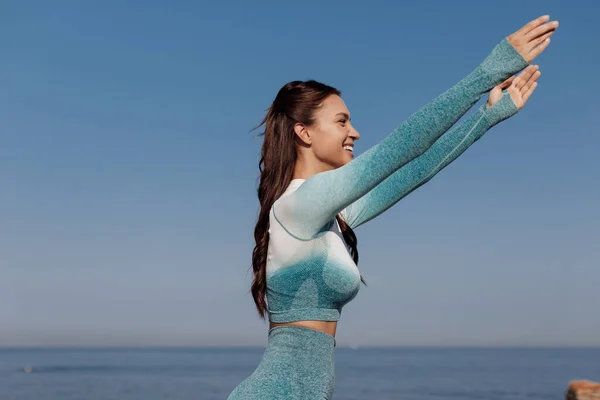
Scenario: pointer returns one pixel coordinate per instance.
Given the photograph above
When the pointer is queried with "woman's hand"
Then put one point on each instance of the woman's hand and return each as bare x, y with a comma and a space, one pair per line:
519, 87
533, 38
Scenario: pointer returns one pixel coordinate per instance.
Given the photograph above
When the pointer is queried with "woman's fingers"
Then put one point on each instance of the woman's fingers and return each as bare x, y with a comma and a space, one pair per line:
540, 39
533, 38
541, 30
528, 93
532, 79
525, 86
524, 77
538, 50
507, 82
531, 25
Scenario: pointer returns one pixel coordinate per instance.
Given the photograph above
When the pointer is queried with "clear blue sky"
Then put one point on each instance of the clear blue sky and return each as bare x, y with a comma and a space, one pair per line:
128, 171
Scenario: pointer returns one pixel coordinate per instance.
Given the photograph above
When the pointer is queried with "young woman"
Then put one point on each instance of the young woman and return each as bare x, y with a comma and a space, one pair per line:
313, 193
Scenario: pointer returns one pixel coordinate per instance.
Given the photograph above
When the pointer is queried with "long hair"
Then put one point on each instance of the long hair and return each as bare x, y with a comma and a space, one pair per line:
295, 102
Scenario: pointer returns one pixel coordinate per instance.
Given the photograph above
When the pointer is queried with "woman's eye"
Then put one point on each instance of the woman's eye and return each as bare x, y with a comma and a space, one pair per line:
343, 121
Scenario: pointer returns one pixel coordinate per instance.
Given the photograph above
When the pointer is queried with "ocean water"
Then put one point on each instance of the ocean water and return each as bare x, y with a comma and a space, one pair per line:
365, 373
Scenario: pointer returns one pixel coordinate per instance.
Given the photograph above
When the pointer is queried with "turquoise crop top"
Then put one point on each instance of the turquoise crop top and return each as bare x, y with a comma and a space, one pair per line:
310, 273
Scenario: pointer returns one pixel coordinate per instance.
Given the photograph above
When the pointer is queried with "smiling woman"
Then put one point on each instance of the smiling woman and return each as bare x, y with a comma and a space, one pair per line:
313, 193
327, 143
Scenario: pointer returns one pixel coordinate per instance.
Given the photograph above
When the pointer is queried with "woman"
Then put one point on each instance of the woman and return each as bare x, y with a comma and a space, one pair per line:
313, 193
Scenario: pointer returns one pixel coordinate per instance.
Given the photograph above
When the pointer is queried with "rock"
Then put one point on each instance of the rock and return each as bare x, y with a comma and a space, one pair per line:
583, 390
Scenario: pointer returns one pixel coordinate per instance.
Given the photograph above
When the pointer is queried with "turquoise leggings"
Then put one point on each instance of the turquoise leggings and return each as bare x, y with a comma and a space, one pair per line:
297, 364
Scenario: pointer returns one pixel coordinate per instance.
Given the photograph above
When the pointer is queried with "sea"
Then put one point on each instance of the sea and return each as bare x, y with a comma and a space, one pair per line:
361, 373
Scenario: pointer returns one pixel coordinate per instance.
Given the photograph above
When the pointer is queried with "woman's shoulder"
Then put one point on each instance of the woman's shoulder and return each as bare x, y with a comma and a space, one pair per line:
291, 188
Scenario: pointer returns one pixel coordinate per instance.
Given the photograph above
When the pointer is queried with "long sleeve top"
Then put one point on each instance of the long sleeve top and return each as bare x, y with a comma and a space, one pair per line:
310, 274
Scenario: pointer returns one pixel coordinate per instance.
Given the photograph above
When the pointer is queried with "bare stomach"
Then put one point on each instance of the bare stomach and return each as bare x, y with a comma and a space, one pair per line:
323, 326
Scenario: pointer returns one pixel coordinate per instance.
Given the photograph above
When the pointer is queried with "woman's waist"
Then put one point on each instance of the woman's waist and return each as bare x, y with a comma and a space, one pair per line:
302, 337
328, 327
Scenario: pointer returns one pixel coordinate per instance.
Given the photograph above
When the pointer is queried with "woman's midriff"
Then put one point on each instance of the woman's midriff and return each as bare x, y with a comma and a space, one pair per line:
323, 326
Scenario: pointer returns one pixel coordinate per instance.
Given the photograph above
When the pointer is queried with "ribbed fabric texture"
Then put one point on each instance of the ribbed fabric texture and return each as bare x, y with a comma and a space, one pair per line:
298, 364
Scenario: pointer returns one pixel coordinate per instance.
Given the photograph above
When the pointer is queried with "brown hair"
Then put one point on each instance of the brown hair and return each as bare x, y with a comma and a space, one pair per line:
295, 102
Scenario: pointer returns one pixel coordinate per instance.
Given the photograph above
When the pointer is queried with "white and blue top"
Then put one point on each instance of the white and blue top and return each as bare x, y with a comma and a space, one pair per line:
310, 273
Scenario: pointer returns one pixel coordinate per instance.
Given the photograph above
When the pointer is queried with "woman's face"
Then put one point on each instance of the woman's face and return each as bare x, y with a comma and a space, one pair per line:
332, 134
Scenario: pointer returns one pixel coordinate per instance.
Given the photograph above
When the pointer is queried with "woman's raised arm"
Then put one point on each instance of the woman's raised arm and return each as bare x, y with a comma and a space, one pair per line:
445, 150
311, 207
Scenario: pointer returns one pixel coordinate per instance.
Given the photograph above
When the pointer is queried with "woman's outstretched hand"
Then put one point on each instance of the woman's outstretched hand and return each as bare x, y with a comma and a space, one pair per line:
533, 38
530, 41
519, 87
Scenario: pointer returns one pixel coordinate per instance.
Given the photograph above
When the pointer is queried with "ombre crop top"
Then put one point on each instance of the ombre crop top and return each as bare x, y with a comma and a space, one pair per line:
310, 273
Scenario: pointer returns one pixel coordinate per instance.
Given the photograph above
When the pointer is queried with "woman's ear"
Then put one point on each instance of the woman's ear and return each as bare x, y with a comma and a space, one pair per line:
302, 133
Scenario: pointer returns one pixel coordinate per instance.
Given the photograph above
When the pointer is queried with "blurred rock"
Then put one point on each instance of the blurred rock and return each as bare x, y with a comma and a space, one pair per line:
583, 390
